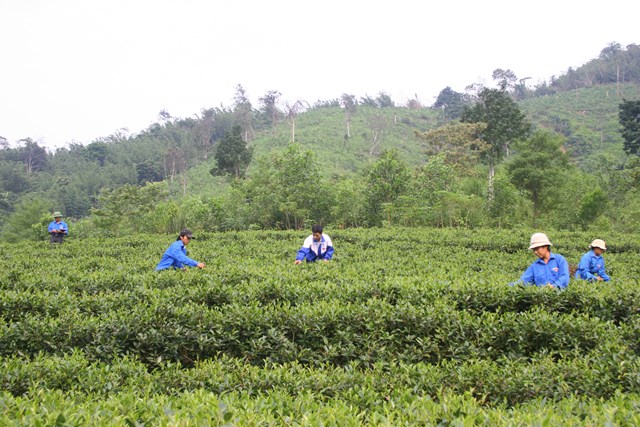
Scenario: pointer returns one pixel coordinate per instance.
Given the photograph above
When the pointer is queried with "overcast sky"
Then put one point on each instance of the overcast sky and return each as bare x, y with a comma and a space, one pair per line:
77, 70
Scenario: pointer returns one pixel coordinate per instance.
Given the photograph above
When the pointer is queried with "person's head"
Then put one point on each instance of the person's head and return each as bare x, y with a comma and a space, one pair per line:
598, 246
540, 245
57, 216
316, 230
185, 236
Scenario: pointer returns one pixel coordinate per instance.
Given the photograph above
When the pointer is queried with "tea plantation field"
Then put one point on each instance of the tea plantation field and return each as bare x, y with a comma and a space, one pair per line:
403, 327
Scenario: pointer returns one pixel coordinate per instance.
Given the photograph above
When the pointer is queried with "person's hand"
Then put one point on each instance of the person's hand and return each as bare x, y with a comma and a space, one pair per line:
297, 262
325, 260
600, 279
549, 285
200, 265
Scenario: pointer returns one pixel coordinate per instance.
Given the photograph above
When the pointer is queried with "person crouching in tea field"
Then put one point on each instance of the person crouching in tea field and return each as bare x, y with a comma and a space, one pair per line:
315, 247
591, 265
549, 269
57, 229
176, 255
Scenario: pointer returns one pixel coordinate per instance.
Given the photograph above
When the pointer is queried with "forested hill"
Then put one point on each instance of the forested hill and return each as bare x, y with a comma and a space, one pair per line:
343, 137
587, 118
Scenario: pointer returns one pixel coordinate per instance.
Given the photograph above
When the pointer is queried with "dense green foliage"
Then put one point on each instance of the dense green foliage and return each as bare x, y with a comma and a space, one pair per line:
333, 173
629, 116
404, 326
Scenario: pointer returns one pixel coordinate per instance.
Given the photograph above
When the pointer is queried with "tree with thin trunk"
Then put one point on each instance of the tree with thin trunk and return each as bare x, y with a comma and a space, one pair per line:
350, 104
292, 111
505, 125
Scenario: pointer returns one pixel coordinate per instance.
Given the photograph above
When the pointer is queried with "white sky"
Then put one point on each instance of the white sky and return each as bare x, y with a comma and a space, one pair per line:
77, 70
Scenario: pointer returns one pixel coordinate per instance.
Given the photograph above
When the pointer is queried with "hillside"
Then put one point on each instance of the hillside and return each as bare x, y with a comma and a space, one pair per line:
323, 130
587, 117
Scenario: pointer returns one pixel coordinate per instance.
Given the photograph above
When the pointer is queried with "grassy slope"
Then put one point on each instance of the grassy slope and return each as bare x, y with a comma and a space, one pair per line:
587, 117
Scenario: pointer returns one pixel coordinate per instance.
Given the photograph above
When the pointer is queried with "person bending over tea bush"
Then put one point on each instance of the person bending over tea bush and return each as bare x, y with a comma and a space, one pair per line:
176, 255
549, 269
591, 265
315, 247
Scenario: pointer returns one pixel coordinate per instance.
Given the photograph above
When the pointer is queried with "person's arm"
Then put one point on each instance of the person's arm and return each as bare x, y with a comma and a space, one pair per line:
301, 255
64, 228
328, 254
176, 253
603, 273
526, 278
563, 273
51, 229
583, 269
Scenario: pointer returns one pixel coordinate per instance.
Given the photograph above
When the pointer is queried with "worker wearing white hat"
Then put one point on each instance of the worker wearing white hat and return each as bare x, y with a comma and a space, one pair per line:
550, 269
591, 265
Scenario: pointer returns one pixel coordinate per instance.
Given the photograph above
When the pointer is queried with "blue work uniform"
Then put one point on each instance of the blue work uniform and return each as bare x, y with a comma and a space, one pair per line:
58, 237
175, 256
591, 267
312, 251
61, 226
554, 272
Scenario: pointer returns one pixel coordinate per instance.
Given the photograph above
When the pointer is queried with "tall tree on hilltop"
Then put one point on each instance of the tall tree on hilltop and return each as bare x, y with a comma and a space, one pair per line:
629, 117
291, 111
244, 113
269, 107
233, 156
204, 130
349, 104
505, 125
451, 103
32, 155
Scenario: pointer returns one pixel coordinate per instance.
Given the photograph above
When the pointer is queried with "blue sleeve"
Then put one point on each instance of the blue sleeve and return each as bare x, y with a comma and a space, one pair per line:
527, 277
66, 228
302, 253
329, 253
563, 273
602, 273
176, 253
50, 227
583, 269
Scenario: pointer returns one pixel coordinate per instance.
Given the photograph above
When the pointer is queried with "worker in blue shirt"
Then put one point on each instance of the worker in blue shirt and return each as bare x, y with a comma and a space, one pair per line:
591, 265
58, 229
549, 269
176, 255
316, 246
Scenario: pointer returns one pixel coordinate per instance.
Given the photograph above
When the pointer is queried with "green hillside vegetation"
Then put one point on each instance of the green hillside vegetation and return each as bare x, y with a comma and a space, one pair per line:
323, 131
587, 118
351, 162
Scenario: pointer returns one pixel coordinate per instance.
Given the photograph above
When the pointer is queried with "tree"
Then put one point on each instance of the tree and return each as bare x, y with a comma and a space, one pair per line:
28, 221
378, 124
233, 156
269, 107
537, 167
629, 117
349, 104
505, 124
451, 103
384, 100
388, 178
122, 210
32, 155
506, 79
592, 206
243, 111
459, 143
204, 130
292, 111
